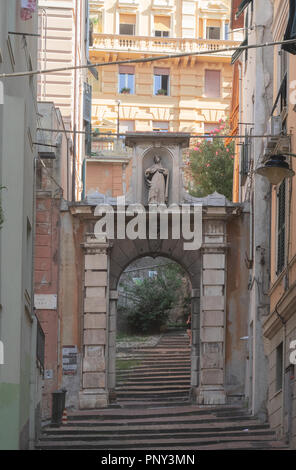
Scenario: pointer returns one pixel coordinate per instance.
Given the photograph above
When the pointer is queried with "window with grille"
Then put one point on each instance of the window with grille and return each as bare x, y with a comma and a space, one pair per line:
281, 227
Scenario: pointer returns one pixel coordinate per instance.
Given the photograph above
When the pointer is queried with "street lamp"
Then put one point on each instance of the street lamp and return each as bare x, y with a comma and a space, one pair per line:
276, 168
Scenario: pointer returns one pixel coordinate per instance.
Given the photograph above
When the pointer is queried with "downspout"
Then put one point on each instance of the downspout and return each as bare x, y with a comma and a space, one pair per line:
75, 104
33, 374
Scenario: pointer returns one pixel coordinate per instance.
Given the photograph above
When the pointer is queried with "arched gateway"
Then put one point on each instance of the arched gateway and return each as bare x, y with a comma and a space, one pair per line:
216, 357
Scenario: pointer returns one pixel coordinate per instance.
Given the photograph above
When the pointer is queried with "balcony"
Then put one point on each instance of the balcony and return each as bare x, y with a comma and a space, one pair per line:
152, 45
109, 147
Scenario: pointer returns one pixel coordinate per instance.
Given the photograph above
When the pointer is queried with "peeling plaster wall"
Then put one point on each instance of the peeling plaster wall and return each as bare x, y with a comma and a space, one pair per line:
237, 305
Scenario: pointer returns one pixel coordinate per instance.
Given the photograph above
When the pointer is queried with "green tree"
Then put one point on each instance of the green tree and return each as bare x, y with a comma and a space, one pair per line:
210, 165
152, 299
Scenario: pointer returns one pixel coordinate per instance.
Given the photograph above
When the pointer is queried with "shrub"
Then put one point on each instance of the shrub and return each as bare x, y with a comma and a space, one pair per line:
210, 165
152, 300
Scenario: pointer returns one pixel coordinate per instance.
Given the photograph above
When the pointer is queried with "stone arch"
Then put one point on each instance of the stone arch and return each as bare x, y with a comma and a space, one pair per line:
123, 253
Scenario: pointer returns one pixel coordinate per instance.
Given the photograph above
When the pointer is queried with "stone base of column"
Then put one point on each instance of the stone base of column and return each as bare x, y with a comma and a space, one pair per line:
92, 399
207, 395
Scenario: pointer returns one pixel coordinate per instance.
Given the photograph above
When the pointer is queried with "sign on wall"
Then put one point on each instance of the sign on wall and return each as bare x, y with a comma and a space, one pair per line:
69, 360
45, 301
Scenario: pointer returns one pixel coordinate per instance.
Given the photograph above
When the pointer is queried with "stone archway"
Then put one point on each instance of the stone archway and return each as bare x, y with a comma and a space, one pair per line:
104, 262
125, 252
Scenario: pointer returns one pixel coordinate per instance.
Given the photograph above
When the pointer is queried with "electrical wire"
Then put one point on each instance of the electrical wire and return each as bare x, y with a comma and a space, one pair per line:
144, 60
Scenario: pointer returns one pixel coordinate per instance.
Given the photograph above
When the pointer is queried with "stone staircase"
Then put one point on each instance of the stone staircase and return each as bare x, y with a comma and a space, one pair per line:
162, 374
153, 412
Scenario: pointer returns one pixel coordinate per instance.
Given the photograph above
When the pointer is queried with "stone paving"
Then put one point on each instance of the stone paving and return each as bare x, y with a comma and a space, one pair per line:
153, 411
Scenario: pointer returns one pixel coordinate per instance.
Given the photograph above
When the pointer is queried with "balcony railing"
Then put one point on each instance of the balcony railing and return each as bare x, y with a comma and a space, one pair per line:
152, 45
109, 147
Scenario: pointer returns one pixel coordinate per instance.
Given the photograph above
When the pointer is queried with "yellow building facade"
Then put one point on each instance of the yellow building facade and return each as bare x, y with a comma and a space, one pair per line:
188, 94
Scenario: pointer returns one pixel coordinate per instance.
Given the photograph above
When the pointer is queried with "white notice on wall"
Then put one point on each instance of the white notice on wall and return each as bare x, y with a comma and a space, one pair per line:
45, 301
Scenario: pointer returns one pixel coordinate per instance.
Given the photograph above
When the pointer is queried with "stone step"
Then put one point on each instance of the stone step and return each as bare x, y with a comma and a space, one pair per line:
172, 441
193, 410
154, 381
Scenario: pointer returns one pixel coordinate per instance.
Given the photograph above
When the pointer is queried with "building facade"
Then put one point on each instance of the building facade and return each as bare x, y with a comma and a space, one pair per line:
280, 326
183, 94
251, 108
20, 332
63, 29
263, 105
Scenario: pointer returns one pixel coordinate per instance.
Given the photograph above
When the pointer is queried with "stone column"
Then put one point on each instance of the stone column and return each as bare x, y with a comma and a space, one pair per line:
94, 392
211, 389
195, 325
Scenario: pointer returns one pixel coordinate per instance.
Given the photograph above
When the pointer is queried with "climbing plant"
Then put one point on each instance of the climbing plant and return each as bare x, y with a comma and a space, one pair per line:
210, 164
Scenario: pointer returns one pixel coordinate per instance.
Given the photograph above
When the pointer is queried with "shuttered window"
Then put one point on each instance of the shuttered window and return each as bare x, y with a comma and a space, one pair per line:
127, 24
212, 83
281, 236
162, 26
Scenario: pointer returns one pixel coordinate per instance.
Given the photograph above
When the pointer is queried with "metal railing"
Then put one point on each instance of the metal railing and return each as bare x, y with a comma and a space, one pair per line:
109, 147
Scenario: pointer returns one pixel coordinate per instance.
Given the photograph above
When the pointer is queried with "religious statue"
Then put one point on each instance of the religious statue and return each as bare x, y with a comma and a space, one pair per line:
157, 178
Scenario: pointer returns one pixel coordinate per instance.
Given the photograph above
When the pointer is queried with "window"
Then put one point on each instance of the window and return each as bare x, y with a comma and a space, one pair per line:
126, 79
279, 368
126, 126
213, 32
160, 126
162, 26
281, 229
212, 83
127, 25
226, 31
243, 5
245, 156
291, 29
161, 81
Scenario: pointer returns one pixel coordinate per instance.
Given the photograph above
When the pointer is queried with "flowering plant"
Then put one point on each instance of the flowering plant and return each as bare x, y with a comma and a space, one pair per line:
210, 164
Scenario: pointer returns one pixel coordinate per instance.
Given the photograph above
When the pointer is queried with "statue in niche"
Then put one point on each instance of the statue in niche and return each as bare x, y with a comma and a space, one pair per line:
157, 178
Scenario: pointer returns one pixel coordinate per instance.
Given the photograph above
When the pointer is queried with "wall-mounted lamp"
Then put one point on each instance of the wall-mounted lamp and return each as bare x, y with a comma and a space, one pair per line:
276, 168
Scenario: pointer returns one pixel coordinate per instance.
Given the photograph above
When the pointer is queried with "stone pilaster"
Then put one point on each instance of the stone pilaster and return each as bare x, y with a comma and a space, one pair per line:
94, 392
213, 318
195, 328
113, 295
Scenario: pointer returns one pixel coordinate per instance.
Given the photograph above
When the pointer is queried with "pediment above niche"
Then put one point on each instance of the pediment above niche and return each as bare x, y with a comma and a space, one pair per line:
215, 5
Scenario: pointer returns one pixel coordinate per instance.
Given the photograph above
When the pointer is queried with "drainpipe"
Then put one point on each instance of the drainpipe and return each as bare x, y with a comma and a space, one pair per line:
33, 373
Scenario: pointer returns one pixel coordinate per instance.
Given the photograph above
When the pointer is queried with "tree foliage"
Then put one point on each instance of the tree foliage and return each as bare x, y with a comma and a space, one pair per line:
210, 165
152, 299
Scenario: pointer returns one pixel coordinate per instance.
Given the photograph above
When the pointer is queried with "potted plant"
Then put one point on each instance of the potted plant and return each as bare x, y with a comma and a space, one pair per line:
161, 91
125, 91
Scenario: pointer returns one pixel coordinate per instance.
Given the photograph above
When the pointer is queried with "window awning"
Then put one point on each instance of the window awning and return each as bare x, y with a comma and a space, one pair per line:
161, 71
238, 52
291, 29
242, 7
162, 23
